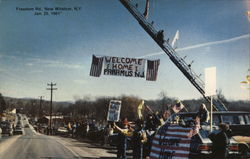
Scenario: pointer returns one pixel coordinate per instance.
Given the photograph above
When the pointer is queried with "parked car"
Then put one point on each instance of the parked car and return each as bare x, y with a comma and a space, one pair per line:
62, 131
19, 122
6, 127
239, 123
26, 125
95, 133
18, 131
200, 143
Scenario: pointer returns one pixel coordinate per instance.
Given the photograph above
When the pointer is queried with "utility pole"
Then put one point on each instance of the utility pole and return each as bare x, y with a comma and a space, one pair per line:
51, 95
40, 106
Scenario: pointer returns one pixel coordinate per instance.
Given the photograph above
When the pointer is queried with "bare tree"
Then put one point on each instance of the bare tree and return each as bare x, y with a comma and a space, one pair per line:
164, 100
221, 96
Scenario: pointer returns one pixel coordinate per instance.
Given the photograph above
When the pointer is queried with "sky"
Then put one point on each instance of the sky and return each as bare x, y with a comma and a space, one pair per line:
39, 49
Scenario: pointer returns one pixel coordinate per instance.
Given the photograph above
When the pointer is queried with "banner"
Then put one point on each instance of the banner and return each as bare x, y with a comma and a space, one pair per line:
171, 142
124, 66
114, 110
210, 81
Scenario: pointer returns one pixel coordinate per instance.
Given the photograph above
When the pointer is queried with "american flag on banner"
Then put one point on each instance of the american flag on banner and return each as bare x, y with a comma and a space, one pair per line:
152, 70
96, 66
172, 142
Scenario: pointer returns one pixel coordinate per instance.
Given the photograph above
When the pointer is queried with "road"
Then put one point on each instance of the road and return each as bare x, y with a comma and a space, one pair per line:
32, 145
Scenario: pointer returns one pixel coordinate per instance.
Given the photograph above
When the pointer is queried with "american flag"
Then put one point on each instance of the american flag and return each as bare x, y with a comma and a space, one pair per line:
171, 141
178, 107
152, 70
96, 66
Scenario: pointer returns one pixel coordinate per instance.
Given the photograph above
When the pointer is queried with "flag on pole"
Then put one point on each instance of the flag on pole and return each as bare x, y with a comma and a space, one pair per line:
152, 70
96, 66
140, 106
13, 111
146, 12
176, 37
210, 81
178, 107
149, 109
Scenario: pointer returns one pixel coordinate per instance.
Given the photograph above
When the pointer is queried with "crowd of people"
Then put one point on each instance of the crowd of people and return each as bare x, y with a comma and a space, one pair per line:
78, 129
139, 136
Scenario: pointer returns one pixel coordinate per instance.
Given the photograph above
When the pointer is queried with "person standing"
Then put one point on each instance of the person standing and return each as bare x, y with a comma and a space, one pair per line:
220, 142
203, 114
123, 133
108, 131
138, 139
69, 127
160, 36
150, 128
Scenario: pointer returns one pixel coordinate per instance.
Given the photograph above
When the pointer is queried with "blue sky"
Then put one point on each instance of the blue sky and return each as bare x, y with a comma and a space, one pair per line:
36, 49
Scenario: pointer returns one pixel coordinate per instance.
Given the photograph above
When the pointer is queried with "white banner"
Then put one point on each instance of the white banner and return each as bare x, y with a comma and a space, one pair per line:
124, 66
114, 110
210, 81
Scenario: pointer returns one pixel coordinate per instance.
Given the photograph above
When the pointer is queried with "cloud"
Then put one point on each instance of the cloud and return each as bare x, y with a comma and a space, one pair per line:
79, 81
36, 71
152, 54
31, 61
215, 42
8, 56
29, 64
56, 63
2, 70
246, 36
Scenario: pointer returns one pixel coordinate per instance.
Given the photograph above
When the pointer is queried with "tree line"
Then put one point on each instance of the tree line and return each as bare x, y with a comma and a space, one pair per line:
97, 108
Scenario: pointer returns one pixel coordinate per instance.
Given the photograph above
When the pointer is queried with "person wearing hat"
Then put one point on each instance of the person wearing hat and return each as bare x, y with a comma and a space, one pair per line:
123, 133
220, 142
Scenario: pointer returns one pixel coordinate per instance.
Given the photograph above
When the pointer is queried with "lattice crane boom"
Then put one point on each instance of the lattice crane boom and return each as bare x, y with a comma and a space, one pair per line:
173, 55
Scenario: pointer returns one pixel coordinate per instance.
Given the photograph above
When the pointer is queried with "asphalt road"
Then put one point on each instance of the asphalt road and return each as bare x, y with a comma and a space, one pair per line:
32, 145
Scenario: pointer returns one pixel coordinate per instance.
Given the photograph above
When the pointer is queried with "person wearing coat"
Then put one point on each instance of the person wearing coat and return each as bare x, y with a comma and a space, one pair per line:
124, 131
138, 139
220, 142
203, 114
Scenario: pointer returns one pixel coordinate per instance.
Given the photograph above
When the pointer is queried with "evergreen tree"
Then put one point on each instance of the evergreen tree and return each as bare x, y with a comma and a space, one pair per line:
2, 104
